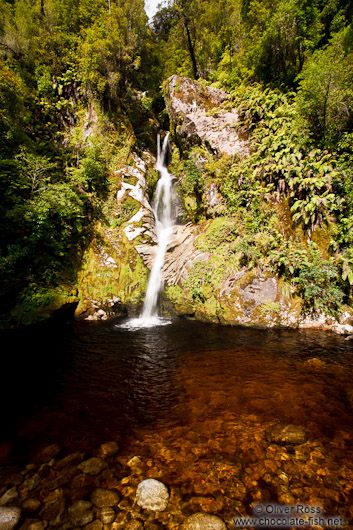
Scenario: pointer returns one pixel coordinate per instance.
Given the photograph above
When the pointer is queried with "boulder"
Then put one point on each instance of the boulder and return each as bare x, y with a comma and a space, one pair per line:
152, 495
9, 517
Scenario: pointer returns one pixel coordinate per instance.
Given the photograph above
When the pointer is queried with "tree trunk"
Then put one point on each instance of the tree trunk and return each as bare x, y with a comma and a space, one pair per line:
191, 48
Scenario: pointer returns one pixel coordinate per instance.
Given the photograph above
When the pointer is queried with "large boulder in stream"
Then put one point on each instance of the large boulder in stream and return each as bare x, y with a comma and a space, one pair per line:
152, 495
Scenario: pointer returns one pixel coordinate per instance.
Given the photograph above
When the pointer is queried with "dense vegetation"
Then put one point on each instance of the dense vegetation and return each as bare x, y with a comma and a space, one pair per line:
80, 84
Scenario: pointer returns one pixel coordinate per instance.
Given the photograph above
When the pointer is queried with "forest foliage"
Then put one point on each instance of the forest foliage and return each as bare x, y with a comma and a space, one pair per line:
287, 64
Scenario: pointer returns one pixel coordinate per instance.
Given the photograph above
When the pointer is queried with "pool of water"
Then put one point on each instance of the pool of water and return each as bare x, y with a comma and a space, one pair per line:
198, 403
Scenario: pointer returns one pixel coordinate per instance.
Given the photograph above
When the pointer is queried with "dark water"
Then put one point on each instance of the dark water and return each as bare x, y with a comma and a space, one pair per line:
82, 384
196, 400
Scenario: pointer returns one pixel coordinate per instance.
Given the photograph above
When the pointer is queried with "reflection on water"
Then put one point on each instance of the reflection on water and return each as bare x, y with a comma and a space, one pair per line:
198, 403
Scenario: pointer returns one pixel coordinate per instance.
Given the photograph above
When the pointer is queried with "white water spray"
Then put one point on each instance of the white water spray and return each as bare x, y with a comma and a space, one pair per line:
164, 222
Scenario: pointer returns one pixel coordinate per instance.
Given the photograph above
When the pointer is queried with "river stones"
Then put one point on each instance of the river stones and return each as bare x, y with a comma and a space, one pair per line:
287, 434
106, 515
134, 525
95, 525
93, 466
31, 505
203, 521
80, 513
9, 517
46, 453
102, 497
9, 496
152, 495
108, 449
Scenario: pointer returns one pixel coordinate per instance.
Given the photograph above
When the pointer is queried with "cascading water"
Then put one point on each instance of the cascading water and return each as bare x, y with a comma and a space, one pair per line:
164, 223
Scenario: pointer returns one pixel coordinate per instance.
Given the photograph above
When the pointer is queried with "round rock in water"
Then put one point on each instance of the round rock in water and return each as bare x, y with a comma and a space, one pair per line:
9, 517
152, 495
203, 521
102, 497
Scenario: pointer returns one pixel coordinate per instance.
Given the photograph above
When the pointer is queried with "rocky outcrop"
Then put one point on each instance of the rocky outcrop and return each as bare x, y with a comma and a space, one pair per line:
199, 115
113, 278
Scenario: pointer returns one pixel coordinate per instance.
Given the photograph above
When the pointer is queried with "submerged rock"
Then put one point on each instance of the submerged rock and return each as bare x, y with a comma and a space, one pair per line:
9, 496
47, 453
134, 525
103, 497
93, 466
80, 513
287, 434
106, 515
31, 505
152, 495
108, 449
9, 517
203, 521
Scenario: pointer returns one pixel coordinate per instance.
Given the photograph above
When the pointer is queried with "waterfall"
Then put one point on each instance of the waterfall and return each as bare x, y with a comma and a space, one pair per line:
164, 222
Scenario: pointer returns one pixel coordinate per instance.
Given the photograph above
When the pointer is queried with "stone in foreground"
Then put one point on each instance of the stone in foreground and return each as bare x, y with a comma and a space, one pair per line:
9, 517
203, 521
152, 495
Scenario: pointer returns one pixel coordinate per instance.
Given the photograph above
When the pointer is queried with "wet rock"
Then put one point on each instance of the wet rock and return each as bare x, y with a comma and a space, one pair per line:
342, 329
152, 495
9, 517
203, 521
317, 320
81, 486
108, 449
31, 505
93, 466
120, 521
315, 363
30, 484
54, 507
95, 525
73, 459
287, 434
80, 513
9, 496
106, 515
36, 525
134, 525
103, 497
46, 454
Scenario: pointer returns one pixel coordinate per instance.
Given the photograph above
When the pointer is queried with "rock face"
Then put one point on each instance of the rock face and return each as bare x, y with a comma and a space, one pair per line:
203, 521
199, 116
152, 495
